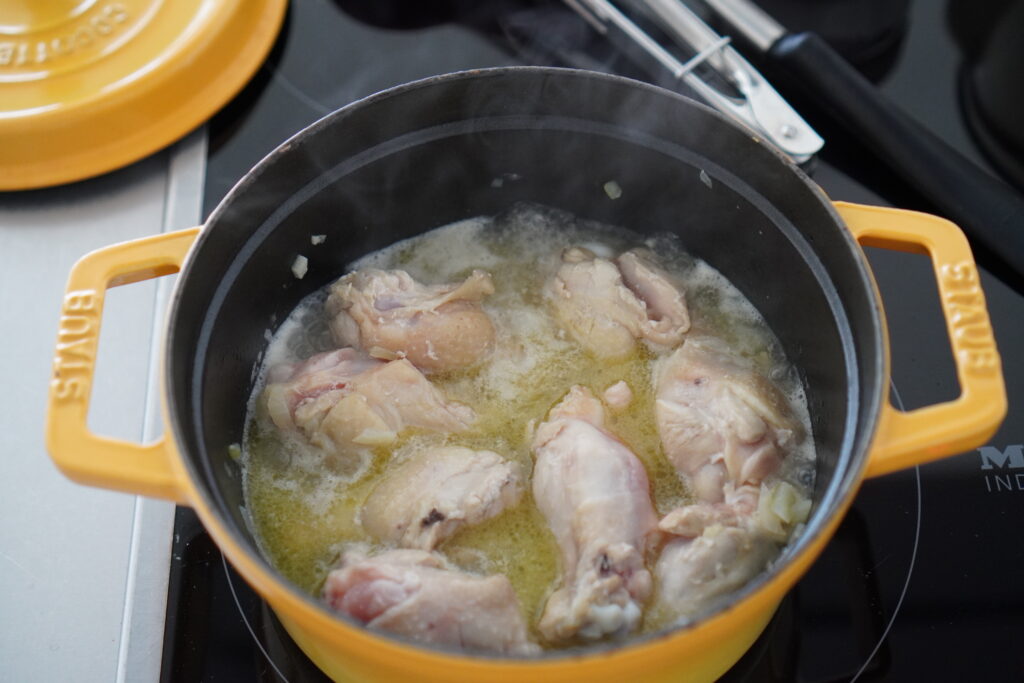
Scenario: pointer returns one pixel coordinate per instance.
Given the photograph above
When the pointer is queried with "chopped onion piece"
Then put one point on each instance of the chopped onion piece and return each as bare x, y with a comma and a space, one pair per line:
780, 508
612, 189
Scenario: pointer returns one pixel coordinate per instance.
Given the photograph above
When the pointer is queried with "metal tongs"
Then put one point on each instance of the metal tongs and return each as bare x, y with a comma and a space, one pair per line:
749, 99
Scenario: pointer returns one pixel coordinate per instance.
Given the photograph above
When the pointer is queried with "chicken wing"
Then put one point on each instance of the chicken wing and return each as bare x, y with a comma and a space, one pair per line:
594, 493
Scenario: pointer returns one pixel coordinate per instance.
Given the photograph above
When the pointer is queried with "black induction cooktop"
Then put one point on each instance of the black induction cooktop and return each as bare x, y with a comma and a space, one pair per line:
923, 580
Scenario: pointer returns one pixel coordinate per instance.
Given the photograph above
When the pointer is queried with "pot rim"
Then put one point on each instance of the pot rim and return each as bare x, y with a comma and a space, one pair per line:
835, 500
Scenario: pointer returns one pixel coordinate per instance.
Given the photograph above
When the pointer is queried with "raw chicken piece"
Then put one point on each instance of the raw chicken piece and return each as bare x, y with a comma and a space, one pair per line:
340, 399
693, 571
594, 493
391, 315
428, 498
418, 595
721, 546
607, 305
305, 392
720, 422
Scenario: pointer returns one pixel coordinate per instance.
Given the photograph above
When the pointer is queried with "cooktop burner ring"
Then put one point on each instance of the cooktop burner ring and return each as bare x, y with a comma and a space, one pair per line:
910, 566
245, 620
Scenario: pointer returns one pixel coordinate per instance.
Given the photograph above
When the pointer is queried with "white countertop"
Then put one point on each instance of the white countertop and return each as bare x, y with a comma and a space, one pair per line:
83, 572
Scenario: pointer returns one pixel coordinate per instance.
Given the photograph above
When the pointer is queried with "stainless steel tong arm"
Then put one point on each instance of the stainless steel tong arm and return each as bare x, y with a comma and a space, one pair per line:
760, 107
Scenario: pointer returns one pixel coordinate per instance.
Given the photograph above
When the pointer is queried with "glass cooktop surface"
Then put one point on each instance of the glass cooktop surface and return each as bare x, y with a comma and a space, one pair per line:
923, 579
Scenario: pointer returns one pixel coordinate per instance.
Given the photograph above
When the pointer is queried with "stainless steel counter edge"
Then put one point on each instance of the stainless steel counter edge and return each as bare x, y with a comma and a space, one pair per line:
145, 604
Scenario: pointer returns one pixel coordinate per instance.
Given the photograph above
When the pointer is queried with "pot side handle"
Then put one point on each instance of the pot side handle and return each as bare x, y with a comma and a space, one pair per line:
145, 469
918, 436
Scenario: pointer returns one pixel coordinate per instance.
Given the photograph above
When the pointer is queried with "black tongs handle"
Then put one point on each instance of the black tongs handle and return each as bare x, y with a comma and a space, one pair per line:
989, 211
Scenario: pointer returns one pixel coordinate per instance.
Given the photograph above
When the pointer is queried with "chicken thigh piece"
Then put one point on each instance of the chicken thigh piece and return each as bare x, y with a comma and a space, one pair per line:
594, 493
344, 399
607, 305
725, 429
390, 315
418, 595
720, 421
429, 497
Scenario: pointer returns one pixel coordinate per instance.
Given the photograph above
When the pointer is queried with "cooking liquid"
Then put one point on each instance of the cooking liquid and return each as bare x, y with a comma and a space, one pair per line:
304, 506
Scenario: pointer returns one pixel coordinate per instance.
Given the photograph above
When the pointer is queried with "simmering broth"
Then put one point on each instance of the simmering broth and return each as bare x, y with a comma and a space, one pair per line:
304, 504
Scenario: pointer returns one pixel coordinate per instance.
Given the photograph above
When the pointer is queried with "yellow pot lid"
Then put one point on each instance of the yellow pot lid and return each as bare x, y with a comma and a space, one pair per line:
87, 86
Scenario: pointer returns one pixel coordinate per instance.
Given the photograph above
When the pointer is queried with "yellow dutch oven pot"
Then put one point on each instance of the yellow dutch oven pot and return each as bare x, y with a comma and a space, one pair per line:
424, 155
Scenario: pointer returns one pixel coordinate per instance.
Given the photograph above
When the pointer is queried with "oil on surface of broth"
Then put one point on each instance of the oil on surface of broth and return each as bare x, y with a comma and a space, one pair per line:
304, 507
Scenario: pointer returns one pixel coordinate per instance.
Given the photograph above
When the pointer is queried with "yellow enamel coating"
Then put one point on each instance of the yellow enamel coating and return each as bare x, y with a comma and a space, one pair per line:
151, 469
87, 86
695, 654
346, 653
925, 434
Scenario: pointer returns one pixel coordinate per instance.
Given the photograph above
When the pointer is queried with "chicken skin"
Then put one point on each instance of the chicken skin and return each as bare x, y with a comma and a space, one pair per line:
594, 493
693, 571
736, 509
419, 595
390, 315
436, 492
606, 306
344, 399
720, 422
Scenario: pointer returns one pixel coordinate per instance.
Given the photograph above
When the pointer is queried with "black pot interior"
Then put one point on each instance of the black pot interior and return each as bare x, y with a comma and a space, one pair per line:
425, 155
